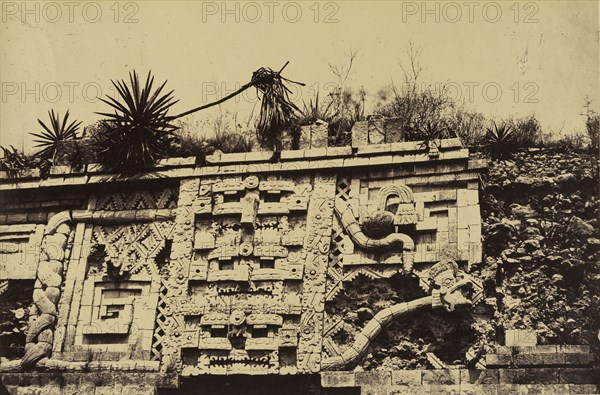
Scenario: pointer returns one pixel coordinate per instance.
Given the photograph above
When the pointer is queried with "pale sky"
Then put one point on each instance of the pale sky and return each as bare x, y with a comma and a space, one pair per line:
502, 58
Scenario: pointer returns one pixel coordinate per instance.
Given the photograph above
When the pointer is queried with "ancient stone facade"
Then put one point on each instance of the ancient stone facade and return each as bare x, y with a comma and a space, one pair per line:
228, 268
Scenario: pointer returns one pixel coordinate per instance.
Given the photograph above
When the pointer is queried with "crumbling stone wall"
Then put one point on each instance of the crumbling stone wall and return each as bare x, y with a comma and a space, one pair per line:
541, 245
14, 311
406, 343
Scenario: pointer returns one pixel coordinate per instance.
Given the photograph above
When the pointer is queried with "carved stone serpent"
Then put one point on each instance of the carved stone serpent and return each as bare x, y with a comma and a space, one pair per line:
370, 332
448, 291
398, 241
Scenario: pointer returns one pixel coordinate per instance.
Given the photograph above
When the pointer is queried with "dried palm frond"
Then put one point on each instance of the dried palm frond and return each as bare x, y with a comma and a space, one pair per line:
277, 110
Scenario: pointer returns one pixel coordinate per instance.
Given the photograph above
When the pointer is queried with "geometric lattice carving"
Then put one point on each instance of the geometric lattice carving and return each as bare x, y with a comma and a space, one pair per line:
148, 199
160, 322
335, 268
135, 246
342, 188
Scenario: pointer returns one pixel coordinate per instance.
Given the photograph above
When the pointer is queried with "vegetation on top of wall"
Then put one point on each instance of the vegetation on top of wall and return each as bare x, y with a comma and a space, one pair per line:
13, 161
138, 131
52, 139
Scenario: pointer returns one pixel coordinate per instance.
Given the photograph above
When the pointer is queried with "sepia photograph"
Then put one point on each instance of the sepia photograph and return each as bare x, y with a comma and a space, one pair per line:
300, 197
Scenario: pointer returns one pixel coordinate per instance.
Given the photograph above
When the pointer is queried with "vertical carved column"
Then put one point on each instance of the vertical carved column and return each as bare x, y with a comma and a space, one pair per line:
65, 305
316, 245
175, 280
54, 253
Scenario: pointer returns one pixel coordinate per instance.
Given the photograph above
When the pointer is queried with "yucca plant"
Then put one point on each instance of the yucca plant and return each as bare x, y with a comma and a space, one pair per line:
54, 136
500, 138
139, 131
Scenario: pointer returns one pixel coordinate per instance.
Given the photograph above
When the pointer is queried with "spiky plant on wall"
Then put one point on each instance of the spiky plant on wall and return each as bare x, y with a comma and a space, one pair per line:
53, 137
139, 131
13, 161
500, 139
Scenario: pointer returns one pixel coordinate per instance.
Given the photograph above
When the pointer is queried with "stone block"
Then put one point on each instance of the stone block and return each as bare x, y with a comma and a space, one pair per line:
450, 143
441, 376
319, 134
316, 153
508, 389
407, 389
360, 134
476, 389
532, 389
583, 389
375, 127
141, 389
380, 160
557, 389
338, 379
446, 389
578, 375
373, 149
528, 359
570, 348
339, 151
355, 162
578, 359
520, 337
373, 378
550, 359
369, 390
529, 376
393, 130
109, 390
479, 376
406, 377
540, 349
292, 154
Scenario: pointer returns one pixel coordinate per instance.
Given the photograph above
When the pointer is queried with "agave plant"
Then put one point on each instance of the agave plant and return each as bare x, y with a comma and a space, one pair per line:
53, 137
13, 161
500, 138
139, 131
430, 132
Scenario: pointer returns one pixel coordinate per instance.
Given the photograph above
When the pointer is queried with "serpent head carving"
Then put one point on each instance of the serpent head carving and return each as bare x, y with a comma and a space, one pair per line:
452, 287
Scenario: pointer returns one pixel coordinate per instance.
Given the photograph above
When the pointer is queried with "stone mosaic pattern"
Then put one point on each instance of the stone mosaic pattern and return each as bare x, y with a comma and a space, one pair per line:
230, 273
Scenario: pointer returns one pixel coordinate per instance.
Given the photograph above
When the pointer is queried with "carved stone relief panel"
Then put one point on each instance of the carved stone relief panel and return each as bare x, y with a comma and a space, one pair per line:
117, 315
256, 278
383, 227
